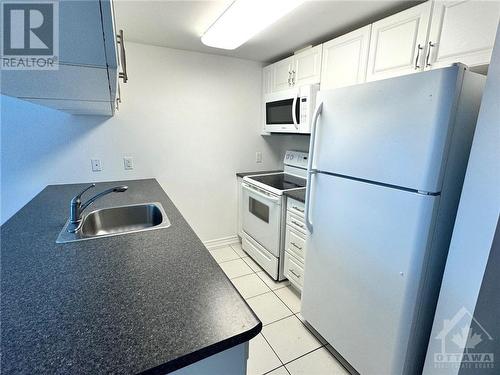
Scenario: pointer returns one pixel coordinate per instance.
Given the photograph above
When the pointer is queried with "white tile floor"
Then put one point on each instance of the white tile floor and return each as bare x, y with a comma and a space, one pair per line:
287, 345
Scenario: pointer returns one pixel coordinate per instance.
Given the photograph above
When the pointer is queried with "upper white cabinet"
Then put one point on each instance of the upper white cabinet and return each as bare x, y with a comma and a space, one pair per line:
345, 59
86, 78
267, 79
430, 35
462, 31
307, 67
282, 74
300, 69
398, 43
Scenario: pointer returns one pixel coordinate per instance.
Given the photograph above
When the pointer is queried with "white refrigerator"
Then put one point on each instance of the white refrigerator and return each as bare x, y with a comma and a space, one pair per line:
387, 161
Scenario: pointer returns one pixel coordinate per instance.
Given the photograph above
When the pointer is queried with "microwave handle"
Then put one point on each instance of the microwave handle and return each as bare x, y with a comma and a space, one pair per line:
310, 170
294, 111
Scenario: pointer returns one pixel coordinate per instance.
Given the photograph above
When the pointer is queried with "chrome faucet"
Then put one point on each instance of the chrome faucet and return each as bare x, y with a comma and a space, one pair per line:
76, 206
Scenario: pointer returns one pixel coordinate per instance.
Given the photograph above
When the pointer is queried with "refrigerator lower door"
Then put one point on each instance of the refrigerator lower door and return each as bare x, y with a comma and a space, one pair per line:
363, 267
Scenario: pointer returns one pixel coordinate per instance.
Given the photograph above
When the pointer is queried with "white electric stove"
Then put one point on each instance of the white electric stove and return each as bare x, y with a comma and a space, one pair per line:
264, 212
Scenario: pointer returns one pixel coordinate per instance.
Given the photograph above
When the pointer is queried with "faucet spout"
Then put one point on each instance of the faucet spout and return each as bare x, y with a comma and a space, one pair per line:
77, 207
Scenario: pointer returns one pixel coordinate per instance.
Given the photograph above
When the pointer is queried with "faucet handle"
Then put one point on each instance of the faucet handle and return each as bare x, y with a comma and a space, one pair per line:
79, 195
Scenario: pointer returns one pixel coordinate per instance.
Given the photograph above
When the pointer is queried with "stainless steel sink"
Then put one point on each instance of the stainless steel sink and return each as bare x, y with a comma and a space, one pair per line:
116, 221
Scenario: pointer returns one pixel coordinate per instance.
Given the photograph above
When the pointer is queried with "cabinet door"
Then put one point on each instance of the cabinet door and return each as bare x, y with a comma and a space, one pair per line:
462, 31
77, 107
267, 79
307, 67
68, 82
282, 74
81, 39
345, 59
397, 44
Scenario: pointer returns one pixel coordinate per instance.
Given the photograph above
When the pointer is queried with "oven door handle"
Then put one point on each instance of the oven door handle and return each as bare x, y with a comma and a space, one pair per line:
261, 194
294, 111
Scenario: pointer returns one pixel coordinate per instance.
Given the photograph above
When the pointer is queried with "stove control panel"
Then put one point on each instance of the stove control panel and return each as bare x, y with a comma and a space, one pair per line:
296, 159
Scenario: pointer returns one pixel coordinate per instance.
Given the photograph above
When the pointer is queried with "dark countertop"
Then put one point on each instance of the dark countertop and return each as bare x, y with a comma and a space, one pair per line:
144, 302
299, 194
243, 174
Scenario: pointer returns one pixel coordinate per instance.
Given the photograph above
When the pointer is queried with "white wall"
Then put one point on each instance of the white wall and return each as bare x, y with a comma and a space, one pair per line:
191, 120
475, 224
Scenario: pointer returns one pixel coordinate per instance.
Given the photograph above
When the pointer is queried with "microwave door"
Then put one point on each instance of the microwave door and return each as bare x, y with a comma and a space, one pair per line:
279, 112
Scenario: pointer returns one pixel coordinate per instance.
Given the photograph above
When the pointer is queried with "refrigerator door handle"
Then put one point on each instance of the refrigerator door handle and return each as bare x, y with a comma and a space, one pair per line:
307, 217
310, 170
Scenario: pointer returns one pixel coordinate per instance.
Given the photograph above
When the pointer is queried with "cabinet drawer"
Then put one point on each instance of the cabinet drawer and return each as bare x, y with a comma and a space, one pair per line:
295, 243
297, 222
264, 258
294, 271
295, 207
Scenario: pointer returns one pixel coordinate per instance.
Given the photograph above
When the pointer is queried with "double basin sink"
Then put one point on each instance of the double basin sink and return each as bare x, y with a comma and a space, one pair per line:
118, 220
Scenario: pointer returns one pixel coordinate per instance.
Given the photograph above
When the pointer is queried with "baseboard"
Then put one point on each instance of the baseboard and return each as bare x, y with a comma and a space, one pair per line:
221, 242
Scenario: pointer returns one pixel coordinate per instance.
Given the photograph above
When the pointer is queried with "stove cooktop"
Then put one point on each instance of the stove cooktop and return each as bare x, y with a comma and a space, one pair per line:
281, 181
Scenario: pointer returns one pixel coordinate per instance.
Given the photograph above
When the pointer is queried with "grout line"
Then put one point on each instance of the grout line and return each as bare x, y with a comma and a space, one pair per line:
229, 260
277, 320
274, 351
292, 314
303, 355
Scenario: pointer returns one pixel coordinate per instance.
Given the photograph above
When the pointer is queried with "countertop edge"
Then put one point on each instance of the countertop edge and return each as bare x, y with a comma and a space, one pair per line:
243, 174
218, 347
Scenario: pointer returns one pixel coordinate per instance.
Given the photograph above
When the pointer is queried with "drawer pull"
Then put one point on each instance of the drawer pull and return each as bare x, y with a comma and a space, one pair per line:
298, 209
297, 223
295, 245
294, 273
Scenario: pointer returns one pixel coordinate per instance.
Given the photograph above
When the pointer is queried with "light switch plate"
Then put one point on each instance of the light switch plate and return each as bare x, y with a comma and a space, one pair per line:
96, 165
258, 157
128, 163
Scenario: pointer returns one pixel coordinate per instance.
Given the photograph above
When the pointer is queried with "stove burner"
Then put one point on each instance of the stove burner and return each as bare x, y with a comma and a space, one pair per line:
281, 181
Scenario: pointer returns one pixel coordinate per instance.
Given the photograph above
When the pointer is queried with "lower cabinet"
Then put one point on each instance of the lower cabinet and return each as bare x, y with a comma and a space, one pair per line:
295, 243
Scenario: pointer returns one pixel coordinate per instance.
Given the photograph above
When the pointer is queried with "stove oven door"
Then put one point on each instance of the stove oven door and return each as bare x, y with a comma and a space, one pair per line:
262, 217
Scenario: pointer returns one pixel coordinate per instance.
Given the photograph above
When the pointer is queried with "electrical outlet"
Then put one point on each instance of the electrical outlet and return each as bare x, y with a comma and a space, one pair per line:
258, 157
96, 165
128, 163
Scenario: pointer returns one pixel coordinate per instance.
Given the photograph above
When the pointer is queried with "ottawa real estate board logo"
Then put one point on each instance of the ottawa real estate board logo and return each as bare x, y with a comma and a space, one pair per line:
464, 342
30, 38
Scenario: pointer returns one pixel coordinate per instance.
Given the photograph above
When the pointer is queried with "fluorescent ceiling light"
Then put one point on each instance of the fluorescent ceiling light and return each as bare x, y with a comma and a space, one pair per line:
243, 19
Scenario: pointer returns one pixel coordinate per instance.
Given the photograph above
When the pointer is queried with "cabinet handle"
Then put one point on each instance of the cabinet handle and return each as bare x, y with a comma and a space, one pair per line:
293, 77
419, 48
118, 99
294, 273
295, 245
297, 223
289, 78
298, 209
427, 63
123, 59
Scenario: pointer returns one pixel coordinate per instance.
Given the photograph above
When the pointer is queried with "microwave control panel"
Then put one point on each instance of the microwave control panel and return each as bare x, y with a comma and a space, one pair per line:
304, 110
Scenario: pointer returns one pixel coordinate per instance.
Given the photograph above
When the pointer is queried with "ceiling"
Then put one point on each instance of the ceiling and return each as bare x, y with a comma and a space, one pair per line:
179, 24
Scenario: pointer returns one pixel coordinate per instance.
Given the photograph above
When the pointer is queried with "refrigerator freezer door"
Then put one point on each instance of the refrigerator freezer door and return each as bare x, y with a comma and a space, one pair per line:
394, 131
362, 269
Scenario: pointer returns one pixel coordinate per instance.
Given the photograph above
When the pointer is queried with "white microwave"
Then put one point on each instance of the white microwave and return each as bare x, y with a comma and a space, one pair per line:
290, 111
